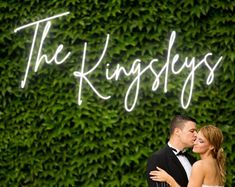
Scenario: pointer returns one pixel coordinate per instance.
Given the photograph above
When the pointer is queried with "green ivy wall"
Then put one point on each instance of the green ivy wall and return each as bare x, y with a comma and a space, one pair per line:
46, 139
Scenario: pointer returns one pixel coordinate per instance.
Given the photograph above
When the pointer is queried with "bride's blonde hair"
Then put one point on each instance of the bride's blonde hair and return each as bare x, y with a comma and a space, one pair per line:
215, 137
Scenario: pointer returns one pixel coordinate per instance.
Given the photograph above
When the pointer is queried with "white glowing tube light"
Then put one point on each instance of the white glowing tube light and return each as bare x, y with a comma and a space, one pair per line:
136, 71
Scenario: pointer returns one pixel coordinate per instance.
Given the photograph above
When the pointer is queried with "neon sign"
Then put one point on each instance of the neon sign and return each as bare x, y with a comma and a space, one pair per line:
136, 70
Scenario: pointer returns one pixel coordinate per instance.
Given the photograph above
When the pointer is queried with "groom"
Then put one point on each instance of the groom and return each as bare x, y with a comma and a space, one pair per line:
172, 157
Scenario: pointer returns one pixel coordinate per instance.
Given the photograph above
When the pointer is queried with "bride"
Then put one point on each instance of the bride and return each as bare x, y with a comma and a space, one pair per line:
209, 171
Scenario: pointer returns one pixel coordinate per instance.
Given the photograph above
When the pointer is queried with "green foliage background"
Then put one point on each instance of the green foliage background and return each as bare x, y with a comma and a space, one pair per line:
46, 139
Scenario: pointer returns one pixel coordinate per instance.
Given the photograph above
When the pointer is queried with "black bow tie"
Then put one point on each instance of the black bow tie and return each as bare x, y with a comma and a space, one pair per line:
182, 153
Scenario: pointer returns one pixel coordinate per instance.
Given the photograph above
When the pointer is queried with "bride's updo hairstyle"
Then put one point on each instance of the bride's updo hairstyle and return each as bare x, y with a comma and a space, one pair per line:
215, 138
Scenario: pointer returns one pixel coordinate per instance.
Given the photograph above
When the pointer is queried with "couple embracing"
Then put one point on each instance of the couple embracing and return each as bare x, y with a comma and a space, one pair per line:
172, 166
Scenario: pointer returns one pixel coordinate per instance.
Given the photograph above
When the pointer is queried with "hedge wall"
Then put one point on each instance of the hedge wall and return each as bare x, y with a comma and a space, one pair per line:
47, 139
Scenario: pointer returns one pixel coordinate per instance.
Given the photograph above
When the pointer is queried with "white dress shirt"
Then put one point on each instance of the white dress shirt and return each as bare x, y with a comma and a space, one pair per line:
183, 160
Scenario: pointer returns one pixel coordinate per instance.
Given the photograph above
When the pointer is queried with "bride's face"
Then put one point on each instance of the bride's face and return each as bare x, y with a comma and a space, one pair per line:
201, 144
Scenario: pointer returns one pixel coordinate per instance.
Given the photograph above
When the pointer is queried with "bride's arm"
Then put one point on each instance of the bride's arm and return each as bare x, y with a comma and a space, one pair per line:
197, 175
161, 175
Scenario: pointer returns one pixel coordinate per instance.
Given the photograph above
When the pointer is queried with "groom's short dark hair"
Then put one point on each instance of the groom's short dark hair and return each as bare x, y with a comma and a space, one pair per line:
178, 121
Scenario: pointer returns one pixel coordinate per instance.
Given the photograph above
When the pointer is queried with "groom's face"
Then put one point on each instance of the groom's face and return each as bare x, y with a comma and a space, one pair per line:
188, 134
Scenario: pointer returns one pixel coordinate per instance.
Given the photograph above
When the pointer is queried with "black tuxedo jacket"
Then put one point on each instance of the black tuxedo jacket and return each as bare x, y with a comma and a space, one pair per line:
167, 160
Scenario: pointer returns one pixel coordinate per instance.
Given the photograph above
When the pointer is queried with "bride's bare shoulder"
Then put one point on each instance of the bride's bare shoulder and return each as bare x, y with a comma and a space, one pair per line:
205, 165
199, 164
